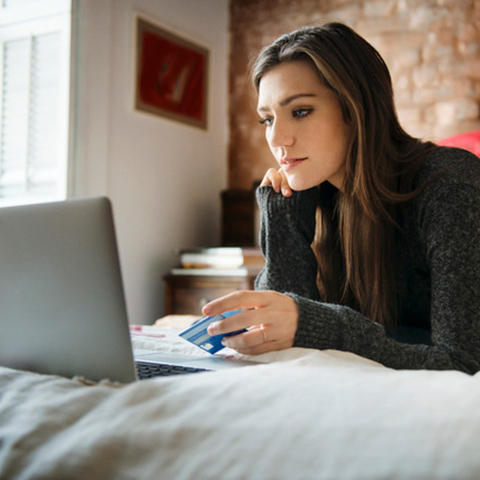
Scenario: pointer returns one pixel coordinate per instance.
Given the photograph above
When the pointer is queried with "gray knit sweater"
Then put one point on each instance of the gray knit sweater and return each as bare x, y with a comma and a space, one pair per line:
437, 272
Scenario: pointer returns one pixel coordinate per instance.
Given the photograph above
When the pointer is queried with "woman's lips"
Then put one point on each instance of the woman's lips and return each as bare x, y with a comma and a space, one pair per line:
290, 162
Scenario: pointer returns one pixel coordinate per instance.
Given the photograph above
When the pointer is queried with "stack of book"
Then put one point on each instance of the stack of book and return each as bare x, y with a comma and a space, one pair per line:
221, 261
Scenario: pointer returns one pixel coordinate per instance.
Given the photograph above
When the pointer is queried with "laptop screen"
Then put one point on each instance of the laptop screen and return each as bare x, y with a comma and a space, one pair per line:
62, 304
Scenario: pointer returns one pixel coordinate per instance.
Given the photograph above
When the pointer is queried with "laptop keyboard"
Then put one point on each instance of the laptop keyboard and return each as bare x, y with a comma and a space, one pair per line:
149, 370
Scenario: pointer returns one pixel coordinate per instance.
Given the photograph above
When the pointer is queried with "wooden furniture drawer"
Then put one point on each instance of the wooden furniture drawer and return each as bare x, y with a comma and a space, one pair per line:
187, 294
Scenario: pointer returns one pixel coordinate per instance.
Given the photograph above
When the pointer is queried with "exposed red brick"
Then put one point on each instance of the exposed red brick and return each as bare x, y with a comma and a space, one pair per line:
432, 48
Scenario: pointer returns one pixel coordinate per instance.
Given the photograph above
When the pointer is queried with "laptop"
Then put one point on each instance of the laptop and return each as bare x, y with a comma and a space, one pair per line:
62, 303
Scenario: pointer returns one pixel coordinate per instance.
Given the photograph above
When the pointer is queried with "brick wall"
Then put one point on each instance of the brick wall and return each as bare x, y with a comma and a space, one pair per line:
432, 48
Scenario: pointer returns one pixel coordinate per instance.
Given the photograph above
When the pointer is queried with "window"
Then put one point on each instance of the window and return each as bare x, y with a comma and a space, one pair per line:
34, 100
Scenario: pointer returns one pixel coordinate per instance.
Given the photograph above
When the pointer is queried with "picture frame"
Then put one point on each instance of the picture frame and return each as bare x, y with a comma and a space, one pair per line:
171, 78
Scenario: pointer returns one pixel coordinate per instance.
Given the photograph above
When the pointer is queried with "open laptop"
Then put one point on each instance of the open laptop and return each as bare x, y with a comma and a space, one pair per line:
62, 304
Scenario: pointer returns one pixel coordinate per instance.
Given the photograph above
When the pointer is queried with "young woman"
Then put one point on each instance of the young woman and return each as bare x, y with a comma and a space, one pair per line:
371, 237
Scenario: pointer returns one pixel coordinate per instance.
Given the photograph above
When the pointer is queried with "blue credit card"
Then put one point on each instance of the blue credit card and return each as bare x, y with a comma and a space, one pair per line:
198, 335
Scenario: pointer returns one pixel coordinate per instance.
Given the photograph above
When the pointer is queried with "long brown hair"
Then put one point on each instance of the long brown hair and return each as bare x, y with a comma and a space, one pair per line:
355, 241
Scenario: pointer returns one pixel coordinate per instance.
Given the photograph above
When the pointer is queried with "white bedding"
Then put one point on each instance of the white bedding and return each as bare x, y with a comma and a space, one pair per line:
303, 415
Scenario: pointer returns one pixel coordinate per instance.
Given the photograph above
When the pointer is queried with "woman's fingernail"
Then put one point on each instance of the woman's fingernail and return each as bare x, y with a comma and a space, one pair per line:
212, 328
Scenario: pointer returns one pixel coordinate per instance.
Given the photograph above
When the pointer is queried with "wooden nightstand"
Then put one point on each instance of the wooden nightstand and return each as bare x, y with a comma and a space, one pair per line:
187, 294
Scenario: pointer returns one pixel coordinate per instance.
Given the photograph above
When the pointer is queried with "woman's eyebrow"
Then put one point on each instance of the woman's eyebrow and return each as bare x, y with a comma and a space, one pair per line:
287, 100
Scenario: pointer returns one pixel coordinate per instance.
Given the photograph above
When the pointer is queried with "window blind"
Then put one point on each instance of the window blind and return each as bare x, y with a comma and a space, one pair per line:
33, 113
16, 3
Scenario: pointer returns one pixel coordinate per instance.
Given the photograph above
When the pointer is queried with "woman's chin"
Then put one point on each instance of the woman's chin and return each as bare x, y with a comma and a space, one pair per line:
301, 186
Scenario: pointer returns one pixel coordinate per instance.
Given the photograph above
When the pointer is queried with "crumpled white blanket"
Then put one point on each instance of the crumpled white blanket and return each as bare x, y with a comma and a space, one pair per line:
304, 414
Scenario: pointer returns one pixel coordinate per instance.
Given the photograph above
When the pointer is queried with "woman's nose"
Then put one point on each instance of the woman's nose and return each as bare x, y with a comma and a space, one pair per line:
280, 135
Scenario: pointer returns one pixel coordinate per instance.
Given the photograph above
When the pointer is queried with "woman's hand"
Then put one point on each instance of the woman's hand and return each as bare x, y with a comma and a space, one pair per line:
278, 181
271, 319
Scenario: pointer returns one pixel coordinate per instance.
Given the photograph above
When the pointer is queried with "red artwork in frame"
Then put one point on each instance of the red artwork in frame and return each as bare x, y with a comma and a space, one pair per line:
171, 75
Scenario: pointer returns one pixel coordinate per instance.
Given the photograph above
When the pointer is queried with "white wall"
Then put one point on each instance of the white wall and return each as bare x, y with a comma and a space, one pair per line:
164, 178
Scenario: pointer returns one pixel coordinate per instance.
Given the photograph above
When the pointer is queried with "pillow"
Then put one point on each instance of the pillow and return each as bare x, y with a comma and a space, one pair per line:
468, 141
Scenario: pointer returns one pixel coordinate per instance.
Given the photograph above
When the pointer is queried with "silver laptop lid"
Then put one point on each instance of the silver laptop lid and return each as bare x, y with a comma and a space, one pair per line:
62, 305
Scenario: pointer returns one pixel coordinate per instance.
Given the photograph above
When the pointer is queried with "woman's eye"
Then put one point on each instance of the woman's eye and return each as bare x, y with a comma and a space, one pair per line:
302, 112
266, 121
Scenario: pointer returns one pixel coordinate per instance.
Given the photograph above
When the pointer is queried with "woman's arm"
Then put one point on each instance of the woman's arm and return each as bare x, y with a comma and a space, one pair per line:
287, 232
288, 222
327, 326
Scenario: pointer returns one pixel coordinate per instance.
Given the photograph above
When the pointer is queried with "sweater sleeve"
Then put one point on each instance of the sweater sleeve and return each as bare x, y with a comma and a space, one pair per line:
286, 234
448, 221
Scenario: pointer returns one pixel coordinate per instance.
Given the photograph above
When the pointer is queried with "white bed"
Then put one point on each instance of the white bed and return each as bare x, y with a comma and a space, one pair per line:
303, 414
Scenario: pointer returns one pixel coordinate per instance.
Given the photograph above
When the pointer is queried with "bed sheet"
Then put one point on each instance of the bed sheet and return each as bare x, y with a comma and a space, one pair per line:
301, 414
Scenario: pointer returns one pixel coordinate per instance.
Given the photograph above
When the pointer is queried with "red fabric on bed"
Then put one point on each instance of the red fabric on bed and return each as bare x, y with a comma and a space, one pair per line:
468, 141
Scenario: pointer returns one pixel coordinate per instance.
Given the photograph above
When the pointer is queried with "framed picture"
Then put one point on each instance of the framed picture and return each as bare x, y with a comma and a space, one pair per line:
171, 75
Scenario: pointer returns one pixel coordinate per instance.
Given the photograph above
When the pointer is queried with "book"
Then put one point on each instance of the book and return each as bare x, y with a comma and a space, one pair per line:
218, 272
221, 257
219, 261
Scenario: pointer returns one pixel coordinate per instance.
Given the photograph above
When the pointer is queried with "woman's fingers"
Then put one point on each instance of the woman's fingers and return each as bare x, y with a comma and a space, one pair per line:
278, 181
242, 299
254, 337
286, 190
258, 339
272, 178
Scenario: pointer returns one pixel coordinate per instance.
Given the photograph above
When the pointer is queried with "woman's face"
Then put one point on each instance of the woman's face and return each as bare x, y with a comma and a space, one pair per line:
304, 126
